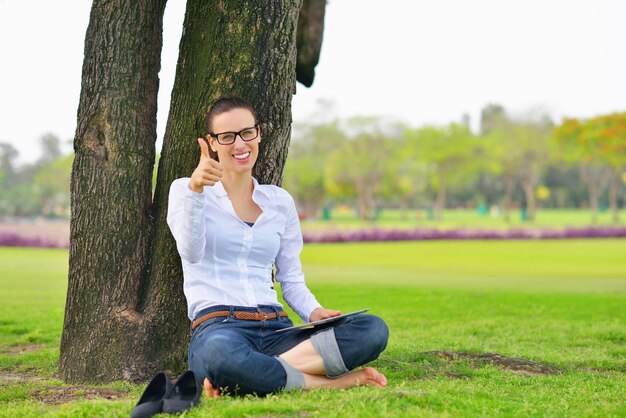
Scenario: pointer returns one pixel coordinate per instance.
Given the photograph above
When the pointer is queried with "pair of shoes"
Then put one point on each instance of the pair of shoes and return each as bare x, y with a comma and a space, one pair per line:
162, 396
184, 394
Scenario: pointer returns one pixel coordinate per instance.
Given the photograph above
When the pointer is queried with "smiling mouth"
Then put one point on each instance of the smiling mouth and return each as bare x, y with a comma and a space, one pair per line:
242, 156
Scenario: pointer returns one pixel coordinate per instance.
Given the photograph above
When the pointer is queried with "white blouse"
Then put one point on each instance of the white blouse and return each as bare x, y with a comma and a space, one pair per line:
227, 262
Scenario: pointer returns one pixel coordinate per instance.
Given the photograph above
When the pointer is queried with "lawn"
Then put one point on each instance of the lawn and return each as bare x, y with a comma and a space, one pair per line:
557, 303
345, 218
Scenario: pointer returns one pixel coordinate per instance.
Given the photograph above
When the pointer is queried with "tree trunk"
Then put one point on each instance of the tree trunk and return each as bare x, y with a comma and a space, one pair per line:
365, 198
597, 179
440, 202
126, 315
616, 181
309, 39
593, 201
531, 202
111, 191
509, 183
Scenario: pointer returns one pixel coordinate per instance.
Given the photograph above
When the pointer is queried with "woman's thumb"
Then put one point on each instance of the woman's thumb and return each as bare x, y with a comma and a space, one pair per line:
204, 147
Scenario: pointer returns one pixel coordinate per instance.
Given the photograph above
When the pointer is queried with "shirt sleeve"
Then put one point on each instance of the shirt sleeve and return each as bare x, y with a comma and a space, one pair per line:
185, 217
289, 269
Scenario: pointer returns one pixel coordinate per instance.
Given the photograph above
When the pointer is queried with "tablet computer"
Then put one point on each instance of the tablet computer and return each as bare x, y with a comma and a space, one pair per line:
323, 321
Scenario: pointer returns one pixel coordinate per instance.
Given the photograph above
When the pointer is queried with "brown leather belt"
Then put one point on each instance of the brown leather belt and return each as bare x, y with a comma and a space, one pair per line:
247, 316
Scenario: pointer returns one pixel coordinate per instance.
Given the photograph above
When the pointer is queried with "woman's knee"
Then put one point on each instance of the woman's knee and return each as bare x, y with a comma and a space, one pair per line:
362, 339
217, 352
371, 332
378, 334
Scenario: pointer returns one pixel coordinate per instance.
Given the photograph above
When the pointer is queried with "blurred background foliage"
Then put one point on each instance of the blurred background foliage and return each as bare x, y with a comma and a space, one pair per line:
373, 164
41, 188
524, 163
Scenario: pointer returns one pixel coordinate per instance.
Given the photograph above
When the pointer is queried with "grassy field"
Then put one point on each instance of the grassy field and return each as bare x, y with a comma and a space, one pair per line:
558, 303
345, 218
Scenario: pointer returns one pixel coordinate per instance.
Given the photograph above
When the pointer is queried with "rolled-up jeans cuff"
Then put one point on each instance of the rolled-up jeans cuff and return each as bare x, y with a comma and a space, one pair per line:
295, 378
325, 344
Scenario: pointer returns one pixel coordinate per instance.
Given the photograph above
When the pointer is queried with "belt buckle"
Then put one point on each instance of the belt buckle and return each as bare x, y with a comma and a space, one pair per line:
264, 316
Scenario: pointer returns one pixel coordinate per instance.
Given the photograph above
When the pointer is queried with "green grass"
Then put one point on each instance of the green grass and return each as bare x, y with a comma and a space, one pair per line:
465, 218
560, 303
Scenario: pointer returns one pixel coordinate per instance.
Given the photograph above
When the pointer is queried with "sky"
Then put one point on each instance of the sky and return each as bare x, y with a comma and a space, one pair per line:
421, 62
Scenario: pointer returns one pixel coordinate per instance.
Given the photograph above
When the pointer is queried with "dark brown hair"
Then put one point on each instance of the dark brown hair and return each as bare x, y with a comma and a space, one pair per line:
225, 104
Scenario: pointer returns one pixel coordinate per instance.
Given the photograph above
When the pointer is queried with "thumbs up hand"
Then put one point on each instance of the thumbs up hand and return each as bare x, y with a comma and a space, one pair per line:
208, 171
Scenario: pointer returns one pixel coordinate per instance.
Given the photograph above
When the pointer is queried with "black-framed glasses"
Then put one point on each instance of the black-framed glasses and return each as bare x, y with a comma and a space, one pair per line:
227, 138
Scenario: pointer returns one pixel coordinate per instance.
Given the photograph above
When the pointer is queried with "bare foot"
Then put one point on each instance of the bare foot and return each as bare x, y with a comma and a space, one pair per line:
367, 376
209, 390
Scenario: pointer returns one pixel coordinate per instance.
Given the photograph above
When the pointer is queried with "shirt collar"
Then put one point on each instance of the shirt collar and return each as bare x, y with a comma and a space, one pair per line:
219, 190
258, 194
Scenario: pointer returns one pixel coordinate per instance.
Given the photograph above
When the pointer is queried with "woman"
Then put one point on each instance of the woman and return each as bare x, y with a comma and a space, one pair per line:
230, 232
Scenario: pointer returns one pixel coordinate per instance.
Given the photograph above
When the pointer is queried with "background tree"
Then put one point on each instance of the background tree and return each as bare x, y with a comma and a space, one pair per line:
580, 145
490, 169
52, 181
499, 153
356, 167
404, 172
609, 133
35, 189
304, 170
531, 140
50, 147
449, 154
125, 312
8, 154
492, 117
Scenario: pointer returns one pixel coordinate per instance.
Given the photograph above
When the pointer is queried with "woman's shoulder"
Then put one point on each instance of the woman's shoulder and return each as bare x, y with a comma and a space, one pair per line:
179, 185
180, 182
276, 194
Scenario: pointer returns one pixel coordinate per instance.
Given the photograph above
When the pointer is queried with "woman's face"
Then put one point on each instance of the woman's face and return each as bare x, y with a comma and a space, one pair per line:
241, 155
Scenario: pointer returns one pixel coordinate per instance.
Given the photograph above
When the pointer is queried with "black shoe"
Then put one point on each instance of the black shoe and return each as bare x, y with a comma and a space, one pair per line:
151, 400
183, 395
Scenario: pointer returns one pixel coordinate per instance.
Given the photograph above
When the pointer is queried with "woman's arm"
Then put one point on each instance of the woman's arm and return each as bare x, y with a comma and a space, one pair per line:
289, 269
185, 217
185, 213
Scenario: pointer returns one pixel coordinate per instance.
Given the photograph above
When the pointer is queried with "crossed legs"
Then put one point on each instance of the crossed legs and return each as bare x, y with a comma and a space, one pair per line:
355, 343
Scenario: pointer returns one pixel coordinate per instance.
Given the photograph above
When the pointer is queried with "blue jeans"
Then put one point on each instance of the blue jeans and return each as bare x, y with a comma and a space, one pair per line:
241, 357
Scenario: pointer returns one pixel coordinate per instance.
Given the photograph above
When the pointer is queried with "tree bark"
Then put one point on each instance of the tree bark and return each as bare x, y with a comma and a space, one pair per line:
111, 223
309, 39
126, 314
